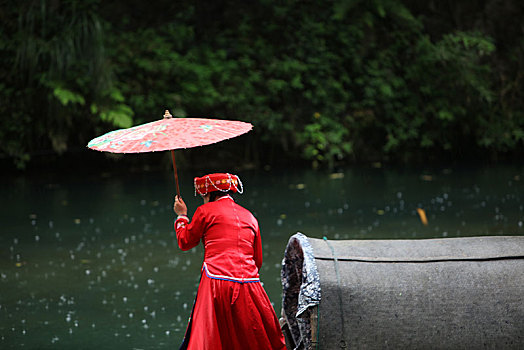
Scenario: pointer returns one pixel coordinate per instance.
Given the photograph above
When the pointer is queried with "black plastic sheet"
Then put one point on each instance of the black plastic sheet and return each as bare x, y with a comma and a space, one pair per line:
452, 293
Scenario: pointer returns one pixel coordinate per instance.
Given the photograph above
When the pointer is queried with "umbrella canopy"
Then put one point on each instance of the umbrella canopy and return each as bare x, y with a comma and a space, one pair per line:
169, 134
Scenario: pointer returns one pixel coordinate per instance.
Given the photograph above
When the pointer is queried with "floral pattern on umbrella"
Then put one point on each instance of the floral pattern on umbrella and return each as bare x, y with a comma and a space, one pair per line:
169, 134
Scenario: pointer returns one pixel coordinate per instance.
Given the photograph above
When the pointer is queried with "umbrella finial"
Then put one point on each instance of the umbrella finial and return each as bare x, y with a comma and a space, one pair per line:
167, 115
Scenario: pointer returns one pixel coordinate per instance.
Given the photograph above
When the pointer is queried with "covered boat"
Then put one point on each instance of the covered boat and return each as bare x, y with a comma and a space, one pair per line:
451, 293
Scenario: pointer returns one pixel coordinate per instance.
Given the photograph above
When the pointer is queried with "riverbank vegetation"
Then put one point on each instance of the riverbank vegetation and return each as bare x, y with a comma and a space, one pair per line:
324, 82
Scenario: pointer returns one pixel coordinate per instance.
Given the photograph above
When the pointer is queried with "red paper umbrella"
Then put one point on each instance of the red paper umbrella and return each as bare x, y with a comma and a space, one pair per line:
169, 134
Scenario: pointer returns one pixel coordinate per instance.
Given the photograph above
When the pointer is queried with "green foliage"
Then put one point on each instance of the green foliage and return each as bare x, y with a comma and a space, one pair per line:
347, 80
120, 116
66, 96
325, 140
57, 68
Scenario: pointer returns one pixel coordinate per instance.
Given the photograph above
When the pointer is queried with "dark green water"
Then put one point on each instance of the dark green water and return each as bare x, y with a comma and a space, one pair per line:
91, 261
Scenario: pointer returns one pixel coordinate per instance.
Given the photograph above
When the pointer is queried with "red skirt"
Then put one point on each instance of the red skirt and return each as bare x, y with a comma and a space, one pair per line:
232, 315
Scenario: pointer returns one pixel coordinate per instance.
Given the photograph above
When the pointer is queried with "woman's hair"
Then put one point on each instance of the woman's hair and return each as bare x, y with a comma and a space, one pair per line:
217, 194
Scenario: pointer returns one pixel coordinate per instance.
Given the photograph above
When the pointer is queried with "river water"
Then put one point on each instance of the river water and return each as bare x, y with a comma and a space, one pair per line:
90, 261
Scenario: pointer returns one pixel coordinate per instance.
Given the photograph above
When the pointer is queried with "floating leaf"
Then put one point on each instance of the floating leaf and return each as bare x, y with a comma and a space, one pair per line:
422, 215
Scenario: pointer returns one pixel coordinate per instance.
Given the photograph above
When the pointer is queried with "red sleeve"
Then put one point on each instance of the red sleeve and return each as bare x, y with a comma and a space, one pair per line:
258, 249
189, 234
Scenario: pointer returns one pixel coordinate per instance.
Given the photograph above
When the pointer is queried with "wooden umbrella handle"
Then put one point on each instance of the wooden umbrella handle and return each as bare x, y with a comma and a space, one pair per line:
176, 173
168, 115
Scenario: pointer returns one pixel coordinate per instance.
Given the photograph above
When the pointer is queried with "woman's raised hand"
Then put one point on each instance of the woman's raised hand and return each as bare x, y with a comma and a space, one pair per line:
180, 207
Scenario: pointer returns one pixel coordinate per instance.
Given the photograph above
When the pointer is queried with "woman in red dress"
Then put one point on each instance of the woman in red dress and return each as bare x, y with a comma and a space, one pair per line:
231, 310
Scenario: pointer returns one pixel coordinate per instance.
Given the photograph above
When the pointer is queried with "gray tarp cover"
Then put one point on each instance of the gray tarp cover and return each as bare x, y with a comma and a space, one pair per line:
451, 293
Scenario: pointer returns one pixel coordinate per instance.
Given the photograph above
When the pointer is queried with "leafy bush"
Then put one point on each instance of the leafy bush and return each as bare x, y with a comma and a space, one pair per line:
343, 81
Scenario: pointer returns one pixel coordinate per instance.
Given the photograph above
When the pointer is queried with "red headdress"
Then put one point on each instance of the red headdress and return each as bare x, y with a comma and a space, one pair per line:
218, 182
